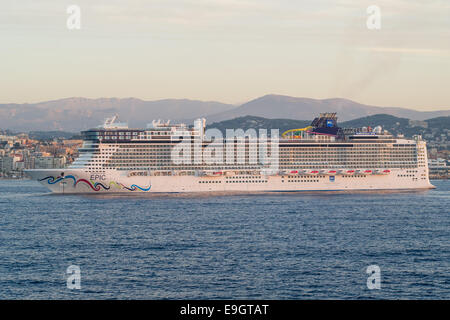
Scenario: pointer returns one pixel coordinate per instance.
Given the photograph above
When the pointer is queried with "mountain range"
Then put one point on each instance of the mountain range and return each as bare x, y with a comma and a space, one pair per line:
75, 114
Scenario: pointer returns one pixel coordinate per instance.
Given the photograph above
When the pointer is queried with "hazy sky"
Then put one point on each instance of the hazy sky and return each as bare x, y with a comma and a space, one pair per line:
227, 50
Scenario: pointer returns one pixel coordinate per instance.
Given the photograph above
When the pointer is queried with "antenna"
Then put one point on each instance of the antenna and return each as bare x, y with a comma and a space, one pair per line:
111, 120
111, 123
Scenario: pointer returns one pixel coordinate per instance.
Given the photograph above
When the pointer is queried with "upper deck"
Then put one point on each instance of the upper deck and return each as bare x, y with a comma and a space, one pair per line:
323, 145
323, 130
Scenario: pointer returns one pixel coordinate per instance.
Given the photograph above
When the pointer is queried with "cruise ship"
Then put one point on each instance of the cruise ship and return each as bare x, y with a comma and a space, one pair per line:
321, 157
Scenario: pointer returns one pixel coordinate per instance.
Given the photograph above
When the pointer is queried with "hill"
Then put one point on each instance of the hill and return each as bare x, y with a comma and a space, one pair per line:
395, 125
248, 122
277, 106
50, 135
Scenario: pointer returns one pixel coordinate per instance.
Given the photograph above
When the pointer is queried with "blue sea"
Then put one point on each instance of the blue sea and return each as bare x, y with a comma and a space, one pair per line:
266, 246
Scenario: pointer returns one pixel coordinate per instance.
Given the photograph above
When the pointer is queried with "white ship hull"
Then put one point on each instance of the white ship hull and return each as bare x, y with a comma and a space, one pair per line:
69, 181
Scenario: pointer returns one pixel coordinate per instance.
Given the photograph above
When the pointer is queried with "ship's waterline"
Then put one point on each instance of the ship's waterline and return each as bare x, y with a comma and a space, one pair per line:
321, 157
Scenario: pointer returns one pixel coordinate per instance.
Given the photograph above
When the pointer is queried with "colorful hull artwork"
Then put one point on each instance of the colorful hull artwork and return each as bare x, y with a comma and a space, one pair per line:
95, 186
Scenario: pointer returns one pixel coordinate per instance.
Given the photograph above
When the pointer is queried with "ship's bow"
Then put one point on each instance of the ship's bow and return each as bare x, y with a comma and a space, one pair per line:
52, 179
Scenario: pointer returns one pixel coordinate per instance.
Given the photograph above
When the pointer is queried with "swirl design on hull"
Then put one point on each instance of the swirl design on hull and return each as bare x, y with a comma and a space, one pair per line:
95, 186
134, 187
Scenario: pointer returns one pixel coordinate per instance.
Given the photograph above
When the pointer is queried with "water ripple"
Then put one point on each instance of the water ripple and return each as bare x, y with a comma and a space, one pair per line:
266, 246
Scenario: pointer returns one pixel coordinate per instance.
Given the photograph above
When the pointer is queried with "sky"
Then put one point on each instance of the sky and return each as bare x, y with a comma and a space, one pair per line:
227, 50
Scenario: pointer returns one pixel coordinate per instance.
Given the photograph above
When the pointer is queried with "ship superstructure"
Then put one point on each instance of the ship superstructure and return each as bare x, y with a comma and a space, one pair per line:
320, 157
